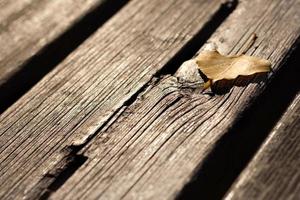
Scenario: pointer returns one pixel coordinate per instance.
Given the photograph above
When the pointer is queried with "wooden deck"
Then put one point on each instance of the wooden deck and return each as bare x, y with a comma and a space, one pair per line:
97, 104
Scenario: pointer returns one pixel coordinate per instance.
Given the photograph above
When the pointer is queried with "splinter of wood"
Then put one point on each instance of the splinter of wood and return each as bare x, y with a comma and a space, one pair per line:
250, 43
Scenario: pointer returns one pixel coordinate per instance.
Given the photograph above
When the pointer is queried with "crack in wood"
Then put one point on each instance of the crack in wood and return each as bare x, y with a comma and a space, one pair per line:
57, 177
67, 166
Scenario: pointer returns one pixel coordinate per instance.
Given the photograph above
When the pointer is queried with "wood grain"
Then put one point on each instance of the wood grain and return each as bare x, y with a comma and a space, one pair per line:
27, 26
274, 171
155, 147
73, 101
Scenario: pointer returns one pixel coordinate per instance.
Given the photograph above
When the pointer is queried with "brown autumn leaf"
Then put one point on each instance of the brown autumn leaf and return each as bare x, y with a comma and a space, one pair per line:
218, 67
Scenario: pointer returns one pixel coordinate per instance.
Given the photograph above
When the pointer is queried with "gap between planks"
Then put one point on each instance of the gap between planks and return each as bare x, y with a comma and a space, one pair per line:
274, 171
42, 45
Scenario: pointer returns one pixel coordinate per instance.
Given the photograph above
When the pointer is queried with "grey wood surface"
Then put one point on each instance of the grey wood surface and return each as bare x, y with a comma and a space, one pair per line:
274, 171
27, 26
75, 99
154, 148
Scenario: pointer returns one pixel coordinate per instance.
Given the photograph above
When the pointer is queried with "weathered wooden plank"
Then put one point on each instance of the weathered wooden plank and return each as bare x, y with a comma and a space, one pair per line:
157, 144
274, 171
28, 26
89, 86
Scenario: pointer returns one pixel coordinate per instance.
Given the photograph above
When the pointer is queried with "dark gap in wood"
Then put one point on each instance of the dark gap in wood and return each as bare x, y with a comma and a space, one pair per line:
236, 148
66, 167
63, 176
55, 178
134, 97
192, 47
51, 55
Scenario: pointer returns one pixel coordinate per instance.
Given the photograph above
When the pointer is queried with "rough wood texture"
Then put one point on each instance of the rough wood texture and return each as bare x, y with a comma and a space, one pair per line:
156, 145
274, 171
89, 86
28, 26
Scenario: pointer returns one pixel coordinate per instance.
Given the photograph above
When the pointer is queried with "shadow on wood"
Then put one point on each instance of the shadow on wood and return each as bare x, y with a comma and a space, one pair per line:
236, 148
223, 86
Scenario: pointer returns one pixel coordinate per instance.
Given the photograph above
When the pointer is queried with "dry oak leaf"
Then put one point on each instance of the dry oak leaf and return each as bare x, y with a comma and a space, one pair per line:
217, 67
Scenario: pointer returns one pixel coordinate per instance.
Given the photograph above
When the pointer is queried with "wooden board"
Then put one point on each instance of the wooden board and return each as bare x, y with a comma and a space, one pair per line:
157, 144
77, 98
37, 35
274, 171
27, 26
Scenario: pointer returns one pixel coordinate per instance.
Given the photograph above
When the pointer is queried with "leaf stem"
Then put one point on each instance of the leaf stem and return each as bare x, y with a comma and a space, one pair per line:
206, 85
